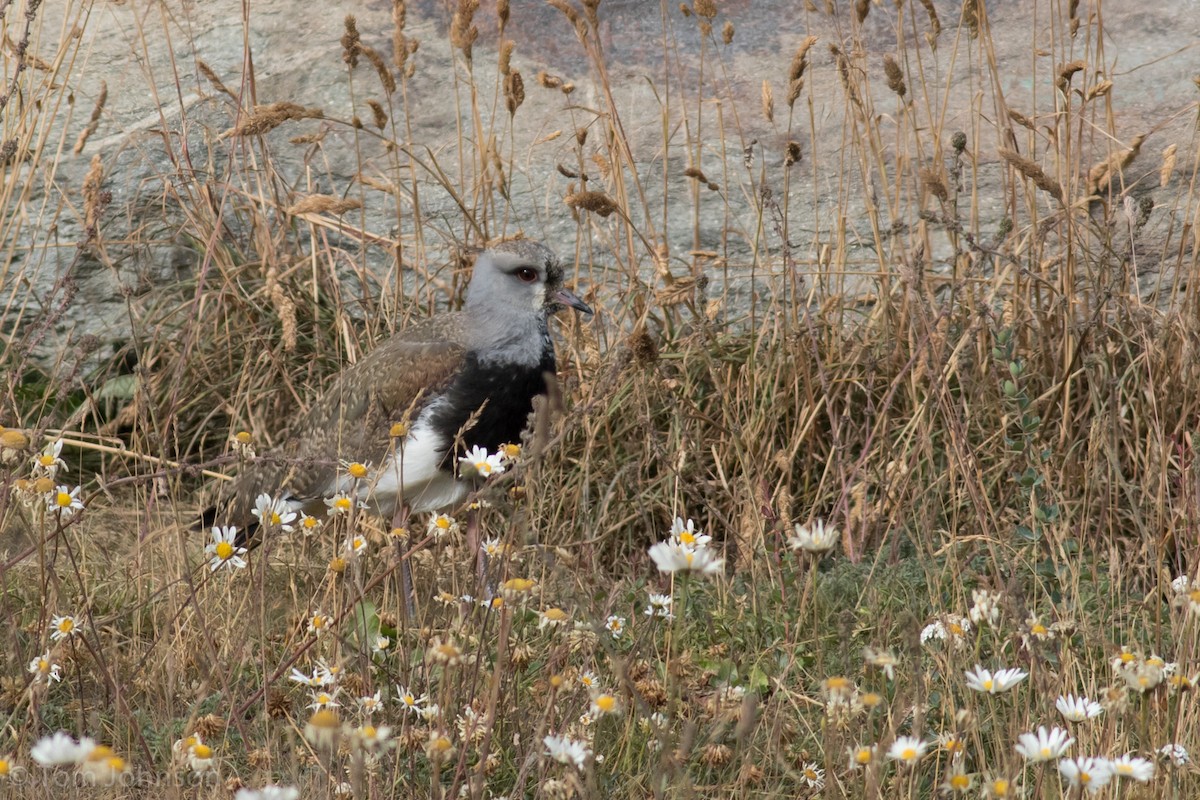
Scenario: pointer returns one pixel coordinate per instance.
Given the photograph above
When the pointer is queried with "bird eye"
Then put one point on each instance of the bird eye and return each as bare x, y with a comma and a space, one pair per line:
527, 274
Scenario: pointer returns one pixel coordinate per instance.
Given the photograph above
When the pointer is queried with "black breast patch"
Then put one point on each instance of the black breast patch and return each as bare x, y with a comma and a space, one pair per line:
504, 391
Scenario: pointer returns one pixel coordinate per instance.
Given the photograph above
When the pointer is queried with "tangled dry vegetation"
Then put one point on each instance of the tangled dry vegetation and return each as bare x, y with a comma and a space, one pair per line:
945, 487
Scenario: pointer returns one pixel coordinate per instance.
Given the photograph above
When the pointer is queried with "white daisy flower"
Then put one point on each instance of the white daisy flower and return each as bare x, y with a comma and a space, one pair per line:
685, 533
63, 627
982, 680
1133, 767
566, 750
882, 659
670, 557
660, 606
478, 462
615, 625
60, 749
441, 525
1177, 754
65, 502
813, 776
861, 756
409, 699
224, 551
341, 504
952, 628
44, 670
369, 704
273, 513
371, 738
985, 608
1093, 774
354, 546
47, 463
269, 792
1045, 745
907, 749
324, 699
1077, 709
815, 538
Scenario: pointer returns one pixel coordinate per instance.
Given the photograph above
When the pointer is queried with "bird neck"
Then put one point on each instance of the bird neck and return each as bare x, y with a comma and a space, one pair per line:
517, 339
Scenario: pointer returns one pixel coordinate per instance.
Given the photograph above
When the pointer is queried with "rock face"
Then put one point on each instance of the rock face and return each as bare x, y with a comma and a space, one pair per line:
676, 126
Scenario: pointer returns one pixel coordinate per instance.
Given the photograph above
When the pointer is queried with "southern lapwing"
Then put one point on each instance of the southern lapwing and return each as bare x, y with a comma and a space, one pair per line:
464, 379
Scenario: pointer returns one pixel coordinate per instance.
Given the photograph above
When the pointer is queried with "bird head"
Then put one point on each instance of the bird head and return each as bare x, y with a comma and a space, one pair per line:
519, 277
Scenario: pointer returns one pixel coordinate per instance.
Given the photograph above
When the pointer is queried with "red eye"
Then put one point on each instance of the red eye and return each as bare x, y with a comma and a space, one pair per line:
527, 274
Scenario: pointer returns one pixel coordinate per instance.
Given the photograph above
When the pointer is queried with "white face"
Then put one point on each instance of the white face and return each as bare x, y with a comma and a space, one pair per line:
506, 282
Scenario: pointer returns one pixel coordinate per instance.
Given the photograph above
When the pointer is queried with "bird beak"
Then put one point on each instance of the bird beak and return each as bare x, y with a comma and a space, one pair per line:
566, 297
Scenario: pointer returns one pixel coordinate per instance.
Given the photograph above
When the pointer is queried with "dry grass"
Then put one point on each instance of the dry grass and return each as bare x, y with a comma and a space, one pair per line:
998, 421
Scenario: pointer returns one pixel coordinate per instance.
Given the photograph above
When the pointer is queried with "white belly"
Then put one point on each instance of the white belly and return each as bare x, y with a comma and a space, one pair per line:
411, 475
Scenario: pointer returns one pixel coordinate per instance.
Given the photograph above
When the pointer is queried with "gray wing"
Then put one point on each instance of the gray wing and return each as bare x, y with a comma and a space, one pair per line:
352, 418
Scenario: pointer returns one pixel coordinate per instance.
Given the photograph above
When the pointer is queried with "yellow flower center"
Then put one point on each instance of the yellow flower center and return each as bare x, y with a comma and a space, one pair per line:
357, 470
43, 665
4, 768
959, 782
116, 764
686, 538
862, 755
243, 437
511, 450
837, 684
955, 628
275, 518
988, 684
324, 719
398, 430
202, 751
1194, 594
1000, 787
871, 699
440, 745
311, 522
1045, 752
318, 621
1038, 629
368, 731
342, 504
1126, 657
63, 499
555, 614
606, 703
518, 584
224, 550
46, 460
66, 626
1084, 778
810, 773
482, 467
908, 753
409, 700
